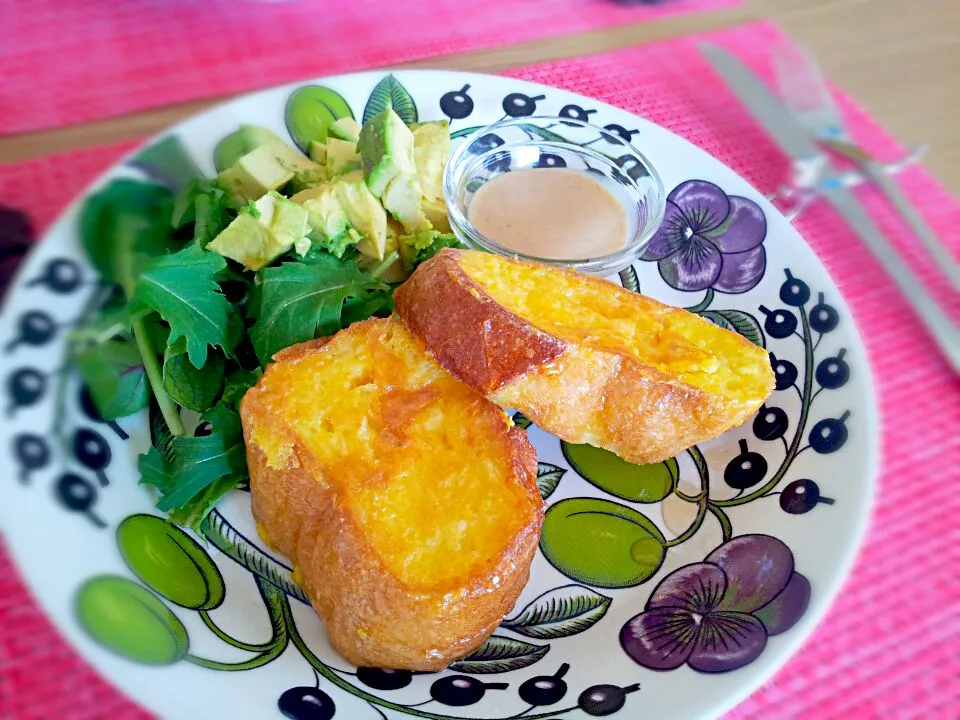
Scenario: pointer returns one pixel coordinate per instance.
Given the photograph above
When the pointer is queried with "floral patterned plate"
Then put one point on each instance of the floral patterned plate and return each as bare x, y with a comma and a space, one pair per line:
669, 590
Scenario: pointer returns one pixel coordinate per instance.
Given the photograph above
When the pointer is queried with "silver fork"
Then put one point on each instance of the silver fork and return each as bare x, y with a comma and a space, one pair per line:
804, 89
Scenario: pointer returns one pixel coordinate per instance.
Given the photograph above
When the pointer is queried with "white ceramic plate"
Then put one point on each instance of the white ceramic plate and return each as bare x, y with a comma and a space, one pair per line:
659, 613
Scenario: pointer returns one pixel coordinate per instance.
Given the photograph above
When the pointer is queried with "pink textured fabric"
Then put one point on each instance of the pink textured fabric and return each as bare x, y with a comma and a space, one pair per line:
65, 62
888, 648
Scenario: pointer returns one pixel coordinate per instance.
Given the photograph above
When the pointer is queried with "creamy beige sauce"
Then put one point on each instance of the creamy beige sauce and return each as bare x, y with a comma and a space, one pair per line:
555, 213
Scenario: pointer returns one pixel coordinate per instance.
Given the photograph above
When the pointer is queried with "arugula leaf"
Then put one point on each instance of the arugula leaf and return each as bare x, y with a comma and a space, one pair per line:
420, 247
193, 388
125, 219
159, 472
192, 513
114, 373
301, 301
156, 470
203, 203
378, 302
237, 383
199, 462
182, 289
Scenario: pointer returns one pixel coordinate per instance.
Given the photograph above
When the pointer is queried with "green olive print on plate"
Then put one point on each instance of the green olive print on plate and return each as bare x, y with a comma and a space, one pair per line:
170, 562
131, 621
601, 543
310, 111
636, 483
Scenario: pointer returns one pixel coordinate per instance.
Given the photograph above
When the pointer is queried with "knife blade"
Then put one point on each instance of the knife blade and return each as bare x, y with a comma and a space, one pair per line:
940, 326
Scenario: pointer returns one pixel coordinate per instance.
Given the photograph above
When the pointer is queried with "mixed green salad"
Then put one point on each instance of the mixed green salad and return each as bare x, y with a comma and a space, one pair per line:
202, 287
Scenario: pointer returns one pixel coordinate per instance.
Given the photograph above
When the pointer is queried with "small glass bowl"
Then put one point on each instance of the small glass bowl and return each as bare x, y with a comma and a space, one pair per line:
542, 141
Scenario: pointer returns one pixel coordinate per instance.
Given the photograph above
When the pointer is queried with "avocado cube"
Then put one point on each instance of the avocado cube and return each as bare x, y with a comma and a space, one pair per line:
396, 272
365, 214
306, 173
256, 241
431, 150
288, 221
240, 142
253, 175
318, 152
345, 129
327, 218
436, 214
245, 240
355, 174
386, 150
342, 157
402, 199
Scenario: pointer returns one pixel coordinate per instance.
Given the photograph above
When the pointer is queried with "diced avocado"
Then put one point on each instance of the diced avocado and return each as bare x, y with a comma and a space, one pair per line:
396, 272
436, 213
253, 175
431, 150
345, 129
306, 173
306, 179
328, 220
247, 241
255, 239
394, 233
342, 157
303, 245
366, 216
402, 199
386, 150
240, 142
288, 222
318, 152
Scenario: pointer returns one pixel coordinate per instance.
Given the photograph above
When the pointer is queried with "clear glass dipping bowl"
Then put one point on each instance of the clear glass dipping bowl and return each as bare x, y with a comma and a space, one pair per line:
539, 141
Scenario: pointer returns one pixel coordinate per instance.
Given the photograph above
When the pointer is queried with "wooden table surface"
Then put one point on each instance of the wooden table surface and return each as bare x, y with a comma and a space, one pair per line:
900, 59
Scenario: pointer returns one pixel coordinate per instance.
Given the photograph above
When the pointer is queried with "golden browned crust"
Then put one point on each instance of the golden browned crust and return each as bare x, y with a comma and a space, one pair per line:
580, 392
469, 333
373, 618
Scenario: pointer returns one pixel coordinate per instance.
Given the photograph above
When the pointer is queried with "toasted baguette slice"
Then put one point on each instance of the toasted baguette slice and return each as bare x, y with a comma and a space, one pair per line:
581, 357
406, 500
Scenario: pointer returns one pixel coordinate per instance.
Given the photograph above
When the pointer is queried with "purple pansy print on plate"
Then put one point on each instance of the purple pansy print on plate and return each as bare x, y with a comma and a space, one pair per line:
709, 239
716, 615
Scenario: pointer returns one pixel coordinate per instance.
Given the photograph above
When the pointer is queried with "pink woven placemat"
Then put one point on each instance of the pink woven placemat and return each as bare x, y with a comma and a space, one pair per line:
65, 62
888, 648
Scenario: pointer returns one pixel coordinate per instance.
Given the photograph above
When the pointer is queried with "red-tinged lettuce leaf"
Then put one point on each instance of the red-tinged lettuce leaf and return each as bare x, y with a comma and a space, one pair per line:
113, 372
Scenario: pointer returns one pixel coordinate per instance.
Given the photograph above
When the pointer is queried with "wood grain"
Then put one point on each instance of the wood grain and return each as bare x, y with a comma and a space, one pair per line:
900, 60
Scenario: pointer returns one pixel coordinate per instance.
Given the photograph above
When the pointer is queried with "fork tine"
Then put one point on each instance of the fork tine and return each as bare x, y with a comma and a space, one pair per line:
804, 88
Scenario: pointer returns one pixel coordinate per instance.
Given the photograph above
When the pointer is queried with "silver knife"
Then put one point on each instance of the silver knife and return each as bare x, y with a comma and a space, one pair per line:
796, 141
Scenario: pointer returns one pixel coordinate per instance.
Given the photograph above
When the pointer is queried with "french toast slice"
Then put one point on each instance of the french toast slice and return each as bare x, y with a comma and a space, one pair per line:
583, 358
405, 499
